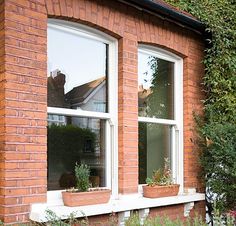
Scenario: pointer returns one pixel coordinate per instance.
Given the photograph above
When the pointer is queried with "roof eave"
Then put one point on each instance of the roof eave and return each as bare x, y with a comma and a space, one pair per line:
167, 13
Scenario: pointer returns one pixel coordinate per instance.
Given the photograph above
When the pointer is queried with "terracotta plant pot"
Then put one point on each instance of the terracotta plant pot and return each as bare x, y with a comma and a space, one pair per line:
160, 191
92, 197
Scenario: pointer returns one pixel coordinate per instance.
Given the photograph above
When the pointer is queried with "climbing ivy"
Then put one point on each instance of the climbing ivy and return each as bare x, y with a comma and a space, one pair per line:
219, 16
218, 127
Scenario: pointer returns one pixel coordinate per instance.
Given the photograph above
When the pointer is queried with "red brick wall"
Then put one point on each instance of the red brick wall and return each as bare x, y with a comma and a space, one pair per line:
104, 220
23, 91
23, 109
2, 98
175, 212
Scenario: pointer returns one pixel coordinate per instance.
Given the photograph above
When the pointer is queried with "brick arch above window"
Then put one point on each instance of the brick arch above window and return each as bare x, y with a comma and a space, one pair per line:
122, 21
163, 47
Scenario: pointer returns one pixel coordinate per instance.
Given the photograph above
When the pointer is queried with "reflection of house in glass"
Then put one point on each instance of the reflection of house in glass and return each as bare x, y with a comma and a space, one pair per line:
90, 96
143, 95
56, 96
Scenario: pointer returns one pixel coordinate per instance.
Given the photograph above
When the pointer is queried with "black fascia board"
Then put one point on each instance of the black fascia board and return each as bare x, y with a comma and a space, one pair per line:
166, 12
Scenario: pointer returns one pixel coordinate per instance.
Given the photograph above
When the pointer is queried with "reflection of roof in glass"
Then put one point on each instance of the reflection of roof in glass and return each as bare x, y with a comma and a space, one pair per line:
55, 86
56, 91
80, 93
143, 95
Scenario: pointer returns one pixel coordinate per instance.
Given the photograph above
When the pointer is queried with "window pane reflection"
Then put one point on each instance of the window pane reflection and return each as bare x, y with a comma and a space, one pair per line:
77, 71
156, 87
71, 140
154, 146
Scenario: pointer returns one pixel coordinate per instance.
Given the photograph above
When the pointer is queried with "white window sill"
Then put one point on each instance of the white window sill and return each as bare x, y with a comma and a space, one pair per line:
124, 203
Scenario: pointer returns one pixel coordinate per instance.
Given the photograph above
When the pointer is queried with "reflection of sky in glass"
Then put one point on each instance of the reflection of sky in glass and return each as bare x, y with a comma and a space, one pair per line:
144, 70
81, 59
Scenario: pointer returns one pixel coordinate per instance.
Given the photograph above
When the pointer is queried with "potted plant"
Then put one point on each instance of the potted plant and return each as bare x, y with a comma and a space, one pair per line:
161, 183
82, 194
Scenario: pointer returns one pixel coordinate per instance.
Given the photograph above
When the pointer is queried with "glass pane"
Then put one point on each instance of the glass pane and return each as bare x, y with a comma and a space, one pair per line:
154, 146
156, 87
77, 71
71, 140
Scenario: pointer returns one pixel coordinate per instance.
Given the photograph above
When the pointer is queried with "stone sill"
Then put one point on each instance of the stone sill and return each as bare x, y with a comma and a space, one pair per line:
124, 203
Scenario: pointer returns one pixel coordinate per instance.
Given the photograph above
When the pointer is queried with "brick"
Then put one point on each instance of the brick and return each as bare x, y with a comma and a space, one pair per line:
34, 199
32, 182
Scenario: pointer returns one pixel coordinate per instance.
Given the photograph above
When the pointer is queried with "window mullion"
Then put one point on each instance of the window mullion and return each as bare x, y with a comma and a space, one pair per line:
173, 153
108, 143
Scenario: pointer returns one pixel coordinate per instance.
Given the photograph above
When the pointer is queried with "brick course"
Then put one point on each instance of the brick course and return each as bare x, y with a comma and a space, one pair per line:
23, 95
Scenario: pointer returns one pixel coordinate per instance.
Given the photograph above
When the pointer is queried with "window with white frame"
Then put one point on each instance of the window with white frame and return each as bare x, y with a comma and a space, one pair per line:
82, 110
160, 105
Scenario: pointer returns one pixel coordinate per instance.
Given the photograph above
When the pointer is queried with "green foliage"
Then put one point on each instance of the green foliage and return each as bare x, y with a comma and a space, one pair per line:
161, 176
159, 103
219, 123
54, 220
134, 220
69, 139
66, 139
82, 173
219, 163
225, 219
220, 60
220, 220
71, 220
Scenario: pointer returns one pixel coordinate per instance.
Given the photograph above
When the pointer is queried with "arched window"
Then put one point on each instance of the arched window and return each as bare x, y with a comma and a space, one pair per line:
160, 103
82, 103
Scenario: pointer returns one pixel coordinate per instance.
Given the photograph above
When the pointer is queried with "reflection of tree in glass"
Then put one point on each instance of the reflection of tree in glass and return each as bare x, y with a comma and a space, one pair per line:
142, 148
159, 101
66, 143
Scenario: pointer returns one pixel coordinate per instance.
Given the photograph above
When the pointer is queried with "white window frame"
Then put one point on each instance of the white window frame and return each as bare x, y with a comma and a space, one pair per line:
177, 123
112, 116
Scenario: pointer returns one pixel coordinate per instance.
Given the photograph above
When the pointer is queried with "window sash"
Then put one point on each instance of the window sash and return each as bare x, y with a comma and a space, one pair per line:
158, 52
174, 149
80, 30
109, 130
158, 121
78, 113
111, 140
177, 123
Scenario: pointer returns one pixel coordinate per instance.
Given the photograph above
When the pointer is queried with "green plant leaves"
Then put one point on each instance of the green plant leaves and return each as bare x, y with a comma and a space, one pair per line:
219, 123
82, 173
